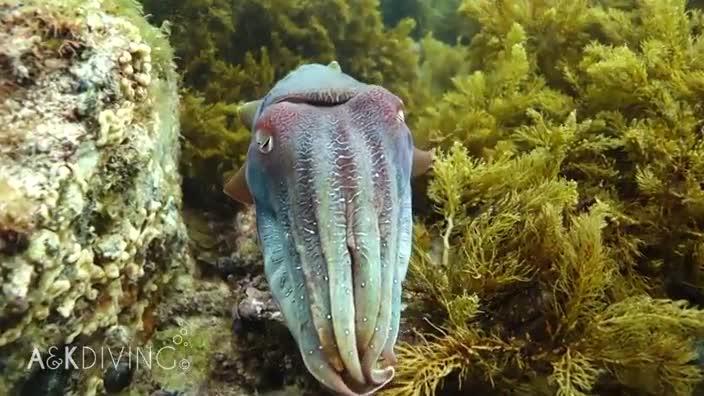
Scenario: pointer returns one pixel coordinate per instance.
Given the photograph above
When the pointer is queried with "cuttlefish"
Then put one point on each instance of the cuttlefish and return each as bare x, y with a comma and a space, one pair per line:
329, 171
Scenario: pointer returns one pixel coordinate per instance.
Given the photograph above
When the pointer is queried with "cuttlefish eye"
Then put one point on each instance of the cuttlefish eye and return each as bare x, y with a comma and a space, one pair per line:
265, 142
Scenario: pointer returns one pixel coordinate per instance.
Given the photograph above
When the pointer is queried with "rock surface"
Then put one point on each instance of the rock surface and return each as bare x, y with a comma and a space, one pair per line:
90, 219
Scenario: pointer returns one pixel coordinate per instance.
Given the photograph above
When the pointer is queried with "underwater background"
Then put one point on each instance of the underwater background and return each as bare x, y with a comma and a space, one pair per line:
558, 243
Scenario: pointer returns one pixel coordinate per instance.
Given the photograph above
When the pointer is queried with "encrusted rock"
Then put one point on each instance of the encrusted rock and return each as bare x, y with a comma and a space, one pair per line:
90, 219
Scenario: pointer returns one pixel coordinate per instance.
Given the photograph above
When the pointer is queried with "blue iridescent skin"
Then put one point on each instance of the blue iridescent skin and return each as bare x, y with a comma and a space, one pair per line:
329, 171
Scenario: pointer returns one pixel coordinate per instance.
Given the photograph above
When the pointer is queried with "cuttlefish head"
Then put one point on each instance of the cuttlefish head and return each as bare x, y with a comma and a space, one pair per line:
329, 170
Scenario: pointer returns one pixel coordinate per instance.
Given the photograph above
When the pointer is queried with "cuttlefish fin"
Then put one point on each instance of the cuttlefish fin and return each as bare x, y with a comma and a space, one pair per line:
422, 161
237, 189
247, 112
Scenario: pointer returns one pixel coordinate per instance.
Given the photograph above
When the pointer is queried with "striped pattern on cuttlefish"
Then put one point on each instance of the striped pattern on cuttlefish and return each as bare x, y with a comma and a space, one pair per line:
329, 171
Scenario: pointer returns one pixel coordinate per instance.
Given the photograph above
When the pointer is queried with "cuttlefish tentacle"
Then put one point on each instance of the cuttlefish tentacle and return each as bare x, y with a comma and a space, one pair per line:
310, 195
328, 171
365, 236
340, 246
405, 238
379, 129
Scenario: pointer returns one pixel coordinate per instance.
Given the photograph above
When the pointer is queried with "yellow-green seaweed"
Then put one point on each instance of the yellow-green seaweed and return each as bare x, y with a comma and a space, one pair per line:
570, 193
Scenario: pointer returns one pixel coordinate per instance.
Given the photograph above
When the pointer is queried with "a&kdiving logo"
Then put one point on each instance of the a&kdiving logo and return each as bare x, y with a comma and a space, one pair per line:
84, 357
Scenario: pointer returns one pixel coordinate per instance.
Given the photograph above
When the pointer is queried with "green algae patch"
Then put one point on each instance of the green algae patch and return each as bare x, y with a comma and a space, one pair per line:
185, 351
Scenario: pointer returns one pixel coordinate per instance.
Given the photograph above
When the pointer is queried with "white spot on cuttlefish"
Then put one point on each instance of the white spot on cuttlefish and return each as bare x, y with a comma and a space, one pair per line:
400, 117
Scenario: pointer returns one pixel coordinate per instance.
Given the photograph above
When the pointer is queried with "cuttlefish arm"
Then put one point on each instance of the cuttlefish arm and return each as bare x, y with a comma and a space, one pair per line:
328, 171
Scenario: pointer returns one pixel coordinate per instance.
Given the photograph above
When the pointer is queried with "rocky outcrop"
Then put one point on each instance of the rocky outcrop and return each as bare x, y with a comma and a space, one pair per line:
90, 219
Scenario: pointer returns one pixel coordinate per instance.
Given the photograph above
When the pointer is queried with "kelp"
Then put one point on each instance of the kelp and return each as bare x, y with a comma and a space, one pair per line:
567, 259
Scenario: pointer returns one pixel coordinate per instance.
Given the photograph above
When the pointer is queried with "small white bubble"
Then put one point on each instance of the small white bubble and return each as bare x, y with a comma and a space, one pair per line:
329, 316
320, 347
364, 319
326, 278
177, 339
310, 352
347, 332
184, 332
364, 284
395, 281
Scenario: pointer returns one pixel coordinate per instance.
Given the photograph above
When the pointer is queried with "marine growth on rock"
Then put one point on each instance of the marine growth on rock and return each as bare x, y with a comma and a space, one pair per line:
90, 197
